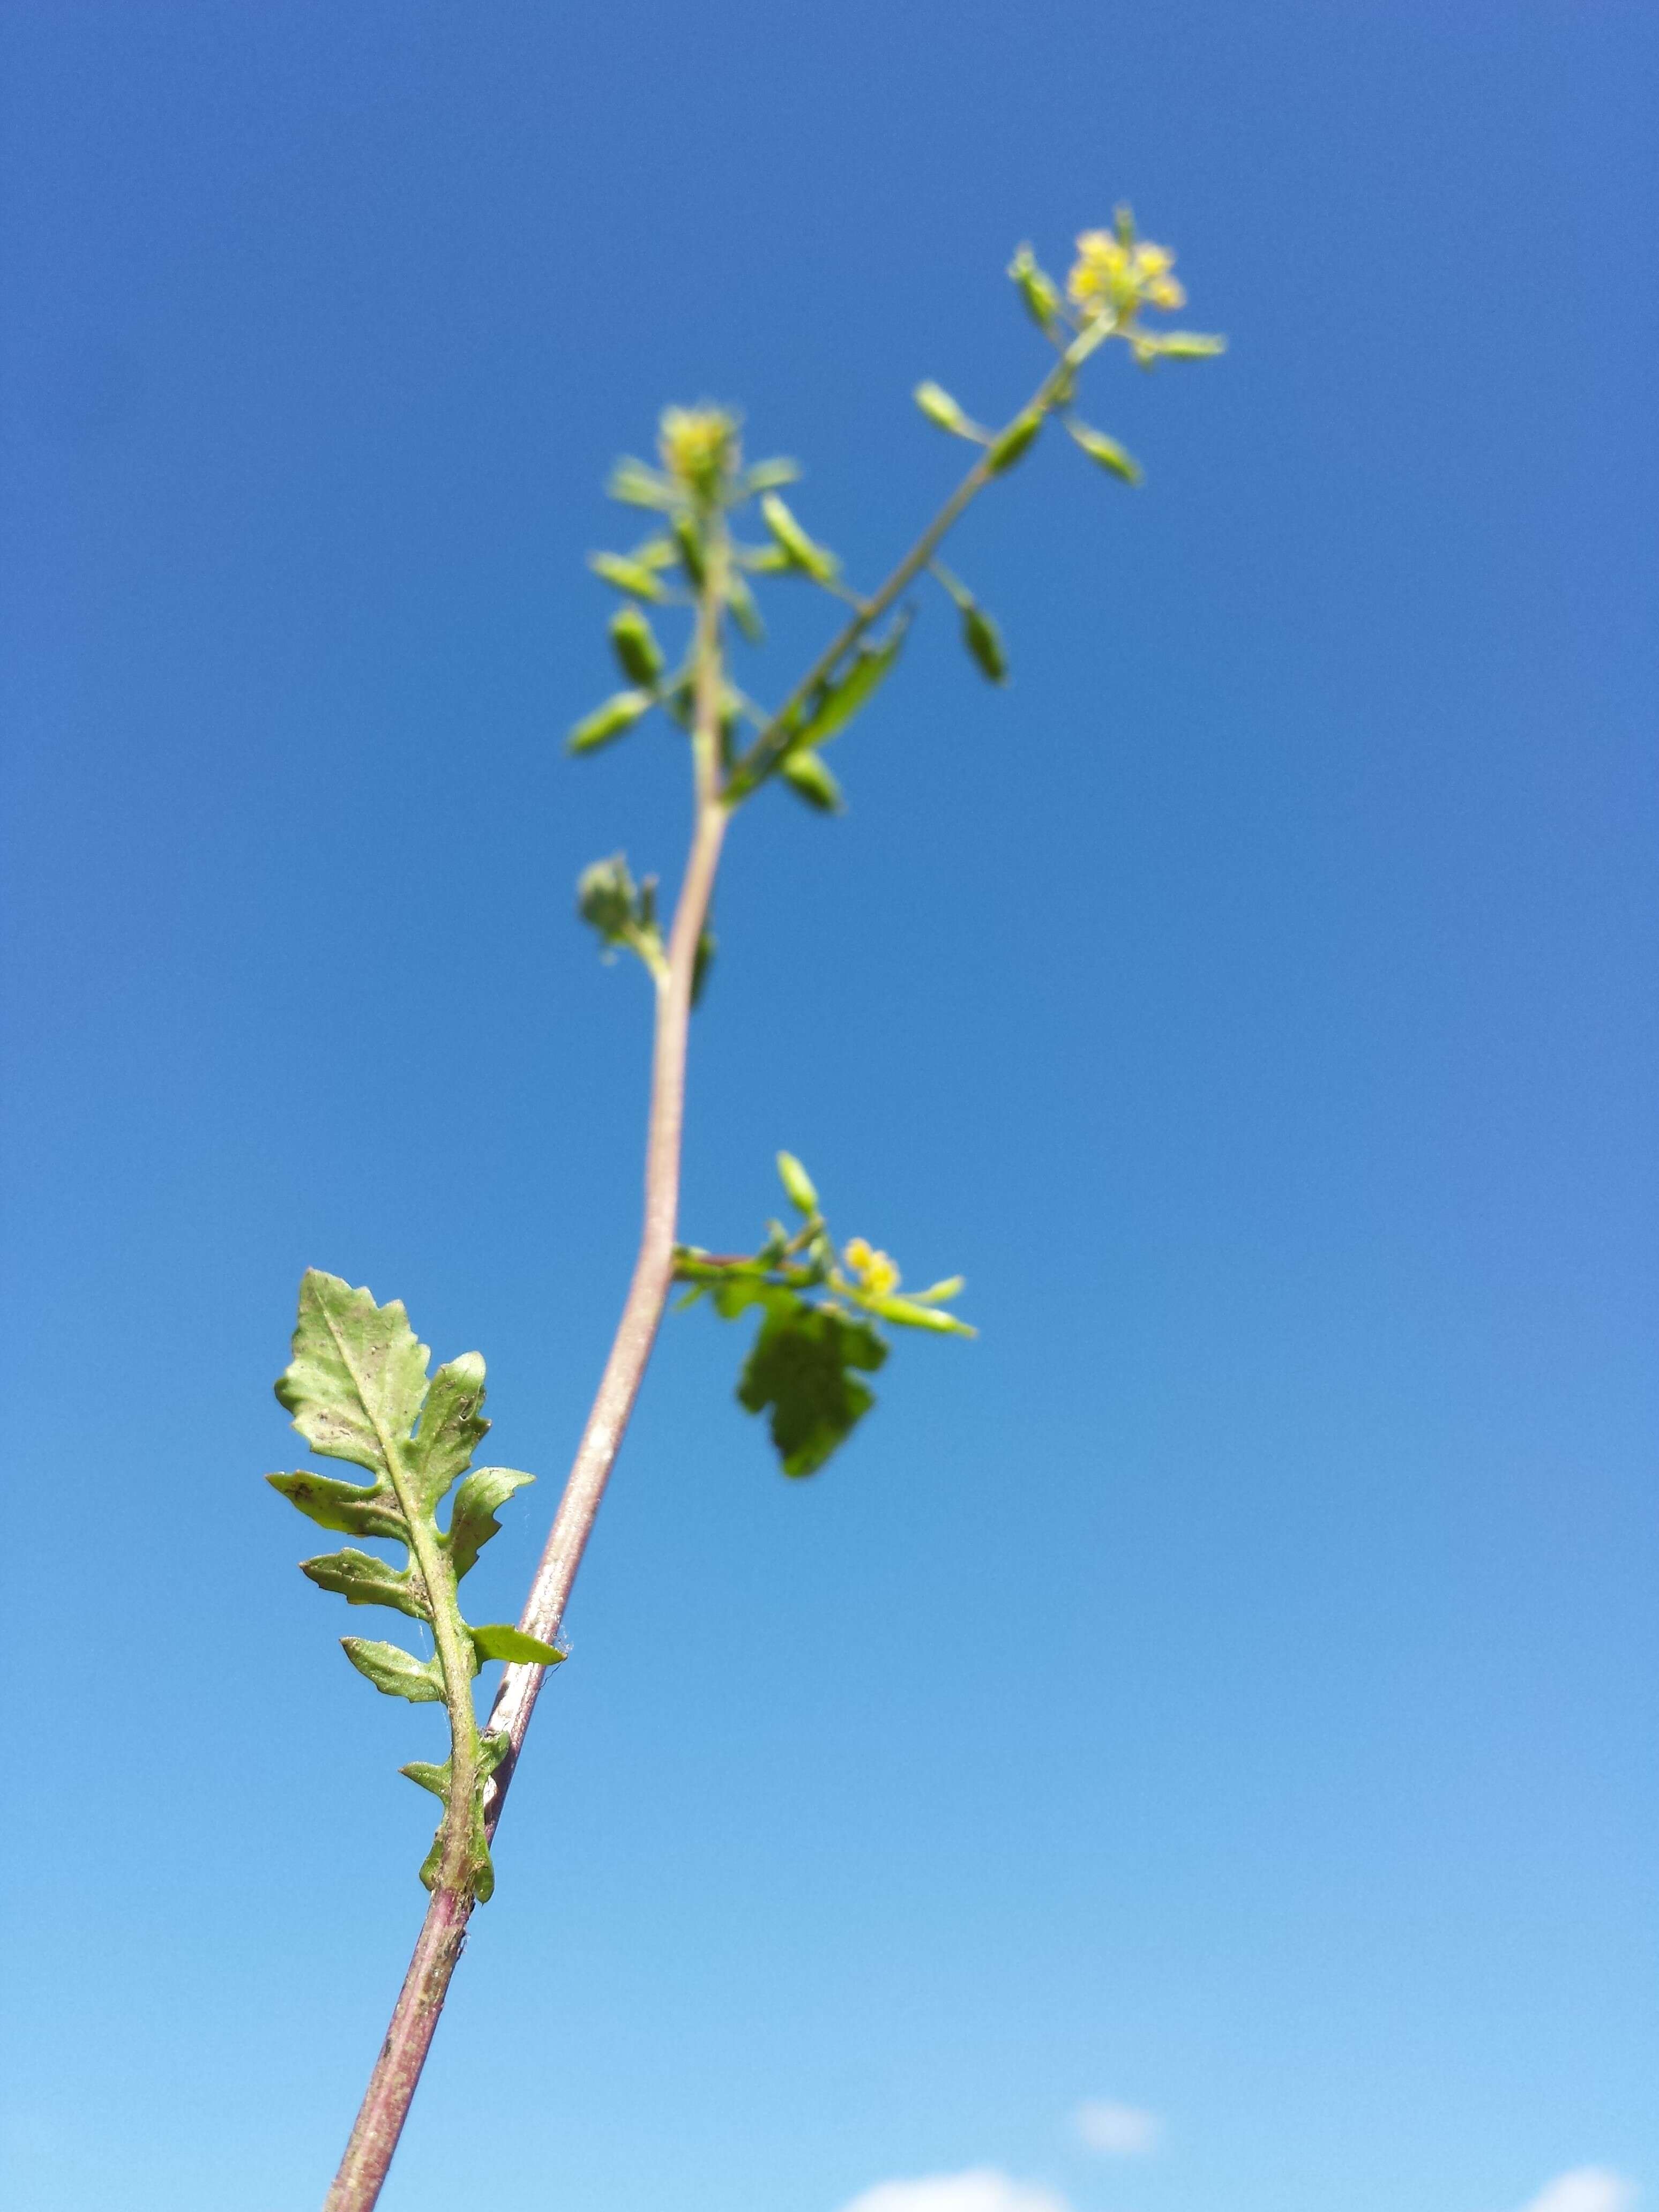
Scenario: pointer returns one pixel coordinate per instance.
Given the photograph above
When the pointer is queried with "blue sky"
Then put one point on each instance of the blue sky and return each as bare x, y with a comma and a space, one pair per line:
1225, 1691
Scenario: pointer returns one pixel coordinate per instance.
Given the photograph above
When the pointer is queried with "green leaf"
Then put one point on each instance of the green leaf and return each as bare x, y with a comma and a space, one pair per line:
802, 1191
396, 1672
472, 1520
633, 642
358, 1374
802, 1366
1013, 442
428, 1777
635, 485
452, 1428
619, 713
803, 552
631, 576
354, 1511
937, 405
1105, 450
808, 778
362, 1579
499, 1639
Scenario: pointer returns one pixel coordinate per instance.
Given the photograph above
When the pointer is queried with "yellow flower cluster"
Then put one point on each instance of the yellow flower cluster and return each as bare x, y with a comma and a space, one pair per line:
1122, 275
877, 1275
699, 446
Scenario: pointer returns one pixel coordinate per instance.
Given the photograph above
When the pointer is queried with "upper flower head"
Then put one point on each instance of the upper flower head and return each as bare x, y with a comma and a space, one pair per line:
699, 448
1116, 271
876, 1274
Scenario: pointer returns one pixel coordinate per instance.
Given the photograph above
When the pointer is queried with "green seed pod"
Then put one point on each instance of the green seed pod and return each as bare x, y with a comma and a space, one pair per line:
619, 712
804, 552
937, 405
984, 641
807, 776
634, 644
792, 1175
1013, 442
688, 538
1188, 345
1037, 290
630, 576
1106, 452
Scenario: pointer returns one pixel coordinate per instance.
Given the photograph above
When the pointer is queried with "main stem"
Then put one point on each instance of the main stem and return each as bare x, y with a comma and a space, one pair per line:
392, 2085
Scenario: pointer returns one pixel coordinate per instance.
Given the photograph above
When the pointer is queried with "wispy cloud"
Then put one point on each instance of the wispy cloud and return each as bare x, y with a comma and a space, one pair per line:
1118, 2130
982, 2190
1586, 2188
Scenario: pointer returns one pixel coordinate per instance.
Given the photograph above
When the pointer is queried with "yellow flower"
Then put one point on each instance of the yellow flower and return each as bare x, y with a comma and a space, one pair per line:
877, 1275
699, 448
1121, 275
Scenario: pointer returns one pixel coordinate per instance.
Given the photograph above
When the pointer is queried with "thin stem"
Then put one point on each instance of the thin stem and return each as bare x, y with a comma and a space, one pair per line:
443, 1934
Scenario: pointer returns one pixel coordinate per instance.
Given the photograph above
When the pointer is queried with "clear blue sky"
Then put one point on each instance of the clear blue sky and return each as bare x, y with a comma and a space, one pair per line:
1227, 1688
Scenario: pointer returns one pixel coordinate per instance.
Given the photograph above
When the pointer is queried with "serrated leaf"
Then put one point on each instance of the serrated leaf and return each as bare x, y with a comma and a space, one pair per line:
361, 1578
348, 1507
609, 721
809, 779
396, 1672
803, 1367
633, 577
472, 1521
358, 1374
452, 1427
499, 1639
1106, 452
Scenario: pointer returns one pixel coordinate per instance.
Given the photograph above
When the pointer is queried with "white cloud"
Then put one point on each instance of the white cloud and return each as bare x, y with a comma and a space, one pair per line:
1121, 2131
1586, 2188
983, 2190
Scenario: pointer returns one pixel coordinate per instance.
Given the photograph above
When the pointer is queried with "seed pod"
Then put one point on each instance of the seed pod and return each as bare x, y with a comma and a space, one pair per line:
634, 644
937, 405
807, 776
1106, 452
817, 560
795, 1179
984, 641
1013, 442
619, 712
630, 576
1189, 345
689, 538
1037, 290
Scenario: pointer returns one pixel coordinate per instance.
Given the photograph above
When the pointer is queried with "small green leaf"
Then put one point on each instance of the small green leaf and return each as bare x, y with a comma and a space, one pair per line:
361, 1579
632, 576
803, 552
802, 1367
428, 1777
499, 1639
635, 485
396, 1672
619, 713
353, 1511
1013, 442
472, 1520
1105, 450
937, 405
358, 1374
834, 704
452, 1428
633, 642
809, 779
801, 1189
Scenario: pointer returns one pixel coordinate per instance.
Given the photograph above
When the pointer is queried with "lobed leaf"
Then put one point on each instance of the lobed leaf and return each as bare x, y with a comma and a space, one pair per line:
358, 1374
452, 1428
472, 1520
803, 1366
361, 1579
347, 1506
396, 1672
